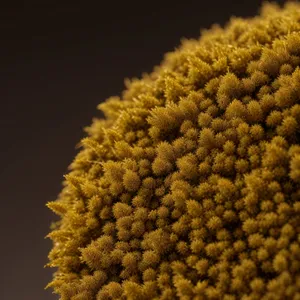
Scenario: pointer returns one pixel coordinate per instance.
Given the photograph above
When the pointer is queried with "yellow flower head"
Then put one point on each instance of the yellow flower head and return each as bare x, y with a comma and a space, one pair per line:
189, 187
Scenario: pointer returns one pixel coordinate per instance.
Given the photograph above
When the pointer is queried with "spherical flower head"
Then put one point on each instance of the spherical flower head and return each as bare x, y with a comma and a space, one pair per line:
188, 188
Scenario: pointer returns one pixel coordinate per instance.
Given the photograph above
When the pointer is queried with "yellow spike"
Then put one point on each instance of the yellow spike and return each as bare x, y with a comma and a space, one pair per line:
57, 207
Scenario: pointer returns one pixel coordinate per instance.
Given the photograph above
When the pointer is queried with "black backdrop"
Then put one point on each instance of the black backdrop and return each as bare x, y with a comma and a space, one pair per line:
58, 60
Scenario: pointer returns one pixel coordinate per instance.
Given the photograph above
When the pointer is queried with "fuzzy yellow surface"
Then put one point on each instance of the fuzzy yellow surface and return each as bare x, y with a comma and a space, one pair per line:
189, 188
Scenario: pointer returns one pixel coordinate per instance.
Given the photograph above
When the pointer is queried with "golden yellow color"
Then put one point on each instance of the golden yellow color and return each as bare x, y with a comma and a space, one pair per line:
189, 188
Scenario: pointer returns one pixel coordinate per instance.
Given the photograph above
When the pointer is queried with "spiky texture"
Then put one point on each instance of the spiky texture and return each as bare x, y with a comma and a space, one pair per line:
189, 188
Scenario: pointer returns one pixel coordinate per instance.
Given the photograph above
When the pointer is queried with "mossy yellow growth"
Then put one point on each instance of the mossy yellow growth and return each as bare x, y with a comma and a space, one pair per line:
189, 188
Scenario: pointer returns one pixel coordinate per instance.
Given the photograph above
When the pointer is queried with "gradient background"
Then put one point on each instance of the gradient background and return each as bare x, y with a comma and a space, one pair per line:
58, 61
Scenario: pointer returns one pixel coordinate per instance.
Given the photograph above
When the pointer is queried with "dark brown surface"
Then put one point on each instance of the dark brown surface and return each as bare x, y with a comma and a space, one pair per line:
58, 61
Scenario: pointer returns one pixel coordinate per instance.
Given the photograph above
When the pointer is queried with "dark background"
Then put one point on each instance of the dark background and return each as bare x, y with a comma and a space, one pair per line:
58, 60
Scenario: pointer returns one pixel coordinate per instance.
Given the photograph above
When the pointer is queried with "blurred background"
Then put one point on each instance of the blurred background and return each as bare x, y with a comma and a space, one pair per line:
58, 60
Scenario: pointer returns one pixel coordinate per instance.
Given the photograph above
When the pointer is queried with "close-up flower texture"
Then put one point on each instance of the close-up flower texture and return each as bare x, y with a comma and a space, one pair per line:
189, 186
